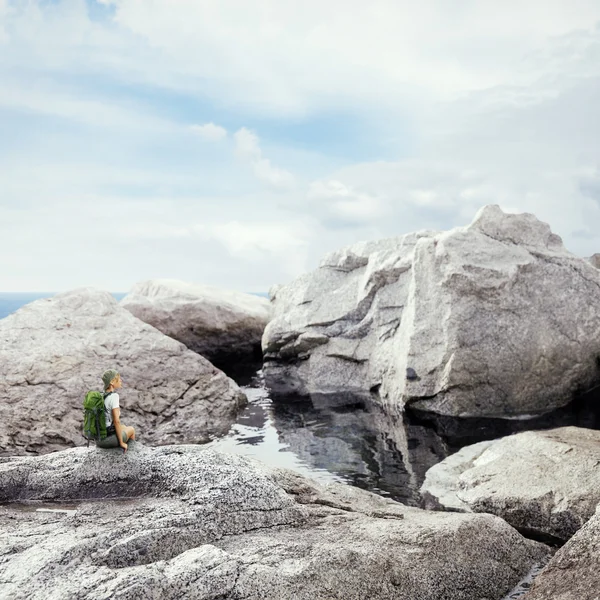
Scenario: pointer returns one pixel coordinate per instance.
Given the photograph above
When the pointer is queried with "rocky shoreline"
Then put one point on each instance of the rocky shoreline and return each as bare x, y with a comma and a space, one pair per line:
211, 525
455, 337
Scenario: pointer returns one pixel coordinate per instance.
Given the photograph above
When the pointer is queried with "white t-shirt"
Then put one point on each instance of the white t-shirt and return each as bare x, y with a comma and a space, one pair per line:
111, 401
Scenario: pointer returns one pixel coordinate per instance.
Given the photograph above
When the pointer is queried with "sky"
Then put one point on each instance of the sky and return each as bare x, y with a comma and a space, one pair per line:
236, 142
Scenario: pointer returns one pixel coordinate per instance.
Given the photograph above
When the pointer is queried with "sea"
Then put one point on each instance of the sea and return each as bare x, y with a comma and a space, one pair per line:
12, 301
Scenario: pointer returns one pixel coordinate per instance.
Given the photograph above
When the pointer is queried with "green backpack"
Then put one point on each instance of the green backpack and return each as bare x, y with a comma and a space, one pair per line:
94, 416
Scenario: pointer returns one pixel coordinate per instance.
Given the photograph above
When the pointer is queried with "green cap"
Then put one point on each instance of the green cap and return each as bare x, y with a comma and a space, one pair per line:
108, 376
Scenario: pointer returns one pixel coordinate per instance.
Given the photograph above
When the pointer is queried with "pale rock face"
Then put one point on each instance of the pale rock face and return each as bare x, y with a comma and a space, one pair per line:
206, 525
574, 571
224, 326
544, 482
54, 350
595, 260
475, 321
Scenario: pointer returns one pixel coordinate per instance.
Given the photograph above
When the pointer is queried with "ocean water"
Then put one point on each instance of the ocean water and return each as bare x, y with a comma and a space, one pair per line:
12, 301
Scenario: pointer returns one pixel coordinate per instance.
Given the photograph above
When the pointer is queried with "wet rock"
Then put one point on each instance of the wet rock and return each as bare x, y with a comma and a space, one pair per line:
544, 483
574, 571
54, 350
473, 311
214, 526
224, 326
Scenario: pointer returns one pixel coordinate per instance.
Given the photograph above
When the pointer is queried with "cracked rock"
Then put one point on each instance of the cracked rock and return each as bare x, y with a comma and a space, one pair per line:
545, 483
199, 524
497, 318
574, 571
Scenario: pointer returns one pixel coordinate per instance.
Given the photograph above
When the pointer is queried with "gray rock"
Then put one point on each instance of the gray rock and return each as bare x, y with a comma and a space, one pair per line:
54, 350
574, 571
543, 482
207, 525
224, 326
595, 260
475, 313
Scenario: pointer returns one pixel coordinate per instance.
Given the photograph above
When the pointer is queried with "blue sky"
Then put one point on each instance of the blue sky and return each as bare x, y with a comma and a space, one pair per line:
235, 142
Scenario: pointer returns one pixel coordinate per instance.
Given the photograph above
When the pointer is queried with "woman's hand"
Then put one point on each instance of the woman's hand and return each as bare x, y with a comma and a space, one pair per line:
124, 446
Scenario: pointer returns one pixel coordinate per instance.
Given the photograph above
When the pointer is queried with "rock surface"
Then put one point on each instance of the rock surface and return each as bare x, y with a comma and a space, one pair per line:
574, 571
542, 482
54, 350
206, 525
595, 260
224, 326
462, 323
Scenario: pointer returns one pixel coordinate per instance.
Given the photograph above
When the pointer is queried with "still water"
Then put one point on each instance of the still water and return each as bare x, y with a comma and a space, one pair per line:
354, 445
362, 446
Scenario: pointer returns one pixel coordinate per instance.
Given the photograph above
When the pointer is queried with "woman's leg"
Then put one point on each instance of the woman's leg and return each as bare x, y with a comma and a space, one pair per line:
109, 441
127, 433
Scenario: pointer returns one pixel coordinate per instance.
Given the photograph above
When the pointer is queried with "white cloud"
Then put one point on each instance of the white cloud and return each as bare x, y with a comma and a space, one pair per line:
249, 241
345, 204
277, 58
475, 102
47, 98
112, 242
210, 132
269, 56
3, 13
247, 147
152, 231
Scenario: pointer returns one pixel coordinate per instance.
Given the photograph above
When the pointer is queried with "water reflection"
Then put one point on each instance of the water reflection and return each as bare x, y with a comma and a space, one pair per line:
354, 444
385, 453
255, 434
583, 411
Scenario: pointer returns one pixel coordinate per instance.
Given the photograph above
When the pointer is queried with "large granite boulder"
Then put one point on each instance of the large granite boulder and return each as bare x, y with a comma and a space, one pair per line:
546, 483
54, 350
199, 524
574, 571
223, 325
469, 322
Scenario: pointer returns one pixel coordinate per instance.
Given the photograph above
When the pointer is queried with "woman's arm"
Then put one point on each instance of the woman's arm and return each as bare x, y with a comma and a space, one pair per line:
116, 414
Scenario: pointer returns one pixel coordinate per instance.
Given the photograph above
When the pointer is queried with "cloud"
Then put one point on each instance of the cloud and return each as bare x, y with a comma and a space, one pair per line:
249, 240
112, 242
463, 105
3, 13
589, 184
291, 59
344, 205
247, 147
210, 132
49, 99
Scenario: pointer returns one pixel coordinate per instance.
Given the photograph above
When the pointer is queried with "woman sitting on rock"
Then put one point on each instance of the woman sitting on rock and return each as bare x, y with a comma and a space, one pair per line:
117, 433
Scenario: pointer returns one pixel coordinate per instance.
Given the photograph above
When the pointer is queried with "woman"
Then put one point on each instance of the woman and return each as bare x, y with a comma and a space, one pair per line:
118, 434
